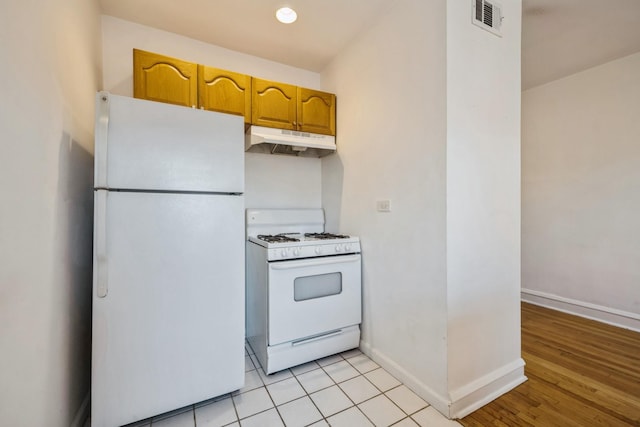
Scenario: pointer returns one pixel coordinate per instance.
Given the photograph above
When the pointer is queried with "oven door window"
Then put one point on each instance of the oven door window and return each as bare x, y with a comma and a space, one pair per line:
318, 286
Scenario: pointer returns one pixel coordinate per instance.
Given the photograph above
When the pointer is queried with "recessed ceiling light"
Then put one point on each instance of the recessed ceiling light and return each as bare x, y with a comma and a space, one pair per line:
286, 15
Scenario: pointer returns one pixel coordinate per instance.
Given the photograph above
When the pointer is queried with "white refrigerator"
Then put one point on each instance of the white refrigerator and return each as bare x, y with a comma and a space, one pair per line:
168, 280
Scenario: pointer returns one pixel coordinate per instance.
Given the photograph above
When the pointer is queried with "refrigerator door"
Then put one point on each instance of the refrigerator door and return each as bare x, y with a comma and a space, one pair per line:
145, 145
168, 302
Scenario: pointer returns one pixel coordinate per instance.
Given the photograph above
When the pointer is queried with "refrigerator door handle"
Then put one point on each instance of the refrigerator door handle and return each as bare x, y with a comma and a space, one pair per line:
101, 243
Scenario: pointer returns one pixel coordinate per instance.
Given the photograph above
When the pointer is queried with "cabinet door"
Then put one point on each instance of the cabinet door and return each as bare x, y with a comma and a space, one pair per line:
224, 91
164, 79
316, 111
274, 104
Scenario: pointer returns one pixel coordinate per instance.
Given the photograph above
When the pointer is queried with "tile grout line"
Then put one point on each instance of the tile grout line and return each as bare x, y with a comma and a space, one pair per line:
309, 396
273, 401
335, 383
340, 388
381, 393
257, 388
339, 358
408, 414
235, 410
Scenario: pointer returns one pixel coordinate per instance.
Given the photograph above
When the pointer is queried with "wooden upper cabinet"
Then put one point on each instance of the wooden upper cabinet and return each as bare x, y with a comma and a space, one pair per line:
274, 104
316, 111
284, 106
164, 79
260, 102
224, 91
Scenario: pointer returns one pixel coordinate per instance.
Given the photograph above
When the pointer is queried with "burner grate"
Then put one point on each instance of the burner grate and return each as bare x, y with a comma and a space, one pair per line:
277, 238
325, 236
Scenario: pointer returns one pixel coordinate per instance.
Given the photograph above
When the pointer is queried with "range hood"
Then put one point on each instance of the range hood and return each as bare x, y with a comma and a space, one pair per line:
260, 139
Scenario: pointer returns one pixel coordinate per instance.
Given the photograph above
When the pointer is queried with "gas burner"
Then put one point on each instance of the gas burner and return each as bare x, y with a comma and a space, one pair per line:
325, 236
277, 238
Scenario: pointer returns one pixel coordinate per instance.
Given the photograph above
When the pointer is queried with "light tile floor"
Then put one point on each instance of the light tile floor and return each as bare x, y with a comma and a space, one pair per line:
345, 390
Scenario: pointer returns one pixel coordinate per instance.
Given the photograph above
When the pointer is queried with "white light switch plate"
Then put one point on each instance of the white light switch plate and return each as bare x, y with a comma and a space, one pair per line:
383, 205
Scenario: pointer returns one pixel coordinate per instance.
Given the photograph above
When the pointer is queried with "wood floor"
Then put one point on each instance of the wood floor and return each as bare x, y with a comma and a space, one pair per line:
581, 373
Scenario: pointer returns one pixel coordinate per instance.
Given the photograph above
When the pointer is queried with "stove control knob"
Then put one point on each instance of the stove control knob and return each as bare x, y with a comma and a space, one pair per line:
296, 251
347, 248
318, 250
338, 248
284, 252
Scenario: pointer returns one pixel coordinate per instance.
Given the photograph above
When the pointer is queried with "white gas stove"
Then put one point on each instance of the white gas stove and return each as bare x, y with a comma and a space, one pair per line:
303, 288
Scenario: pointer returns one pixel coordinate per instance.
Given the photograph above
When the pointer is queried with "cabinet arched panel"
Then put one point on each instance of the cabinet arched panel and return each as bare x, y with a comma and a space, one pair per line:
164, 79
261, 102
224, 91
316, 111
274, 104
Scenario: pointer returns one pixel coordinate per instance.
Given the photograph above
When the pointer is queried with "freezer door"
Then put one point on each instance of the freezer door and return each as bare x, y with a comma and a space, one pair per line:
168, 316
146, 145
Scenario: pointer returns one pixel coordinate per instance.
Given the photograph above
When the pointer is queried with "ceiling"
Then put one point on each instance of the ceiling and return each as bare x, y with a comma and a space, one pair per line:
323, 27
562, 37
559, 37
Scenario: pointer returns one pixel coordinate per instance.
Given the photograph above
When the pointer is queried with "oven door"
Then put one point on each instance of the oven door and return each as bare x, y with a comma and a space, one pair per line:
313, 297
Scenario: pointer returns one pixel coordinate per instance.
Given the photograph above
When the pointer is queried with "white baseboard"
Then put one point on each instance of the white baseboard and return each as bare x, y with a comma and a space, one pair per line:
440, 403
83, 412
611, 316
478, 393
462, 401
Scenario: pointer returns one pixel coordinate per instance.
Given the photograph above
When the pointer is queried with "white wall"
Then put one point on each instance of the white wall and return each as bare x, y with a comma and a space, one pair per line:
50, 54
121, 37
391, 86
581, 193
441, 270
483, 206
271, 180
279, 181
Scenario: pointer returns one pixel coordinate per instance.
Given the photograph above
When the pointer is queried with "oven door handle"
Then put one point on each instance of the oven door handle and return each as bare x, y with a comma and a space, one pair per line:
332, 260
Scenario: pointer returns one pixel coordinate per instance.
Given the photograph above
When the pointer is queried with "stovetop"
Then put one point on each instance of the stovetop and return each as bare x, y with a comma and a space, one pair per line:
299, 237
306, 245
285, 234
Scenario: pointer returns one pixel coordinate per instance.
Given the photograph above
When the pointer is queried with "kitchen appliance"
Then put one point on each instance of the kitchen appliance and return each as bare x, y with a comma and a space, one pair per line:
168, 283
303, 288
283, 141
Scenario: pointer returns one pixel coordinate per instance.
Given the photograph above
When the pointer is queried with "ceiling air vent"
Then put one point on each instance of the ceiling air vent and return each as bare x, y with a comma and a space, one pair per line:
487, 15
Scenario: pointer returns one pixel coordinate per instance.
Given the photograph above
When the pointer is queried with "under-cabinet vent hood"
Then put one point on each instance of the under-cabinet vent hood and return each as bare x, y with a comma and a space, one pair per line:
259, 139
